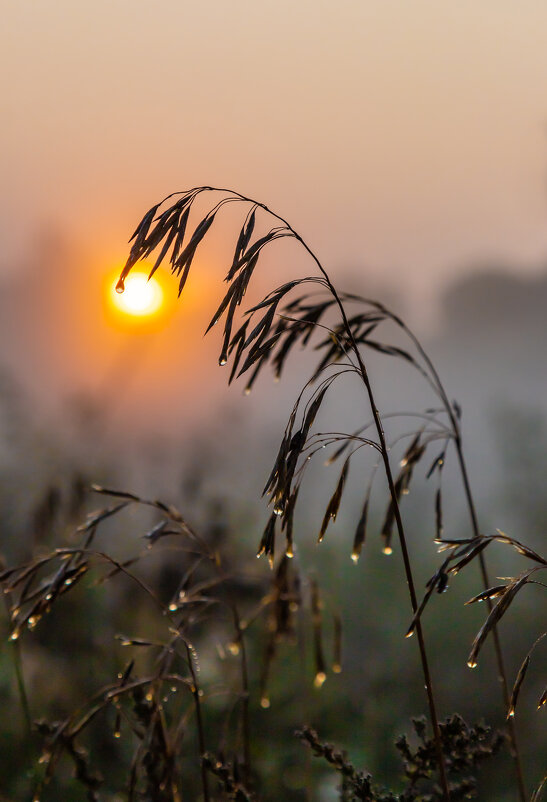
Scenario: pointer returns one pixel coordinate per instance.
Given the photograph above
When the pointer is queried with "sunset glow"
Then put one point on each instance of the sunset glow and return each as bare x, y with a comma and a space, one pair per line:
142, 297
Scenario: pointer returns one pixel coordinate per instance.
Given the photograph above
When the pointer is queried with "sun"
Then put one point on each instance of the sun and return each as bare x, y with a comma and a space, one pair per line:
141, 298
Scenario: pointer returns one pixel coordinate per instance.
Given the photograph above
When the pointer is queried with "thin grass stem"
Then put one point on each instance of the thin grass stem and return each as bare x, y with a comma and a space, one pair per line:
502, 673
19, 675
199, 721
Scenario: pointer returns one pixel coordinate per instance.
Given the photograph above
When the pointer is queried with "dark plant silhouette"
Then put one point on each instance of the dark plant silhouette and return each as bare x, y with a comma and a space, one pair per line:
158, 699
267, 334
465, 748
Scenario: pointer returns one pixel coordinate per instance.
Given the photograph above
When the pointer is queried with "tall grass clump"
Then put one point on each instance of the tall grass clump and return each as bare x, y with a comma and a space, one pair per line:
341, 330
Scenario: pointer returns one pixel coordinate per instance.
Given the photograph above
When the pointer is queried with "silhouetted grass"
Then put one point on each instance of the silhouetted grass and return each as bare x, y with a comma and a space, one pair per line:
159, 702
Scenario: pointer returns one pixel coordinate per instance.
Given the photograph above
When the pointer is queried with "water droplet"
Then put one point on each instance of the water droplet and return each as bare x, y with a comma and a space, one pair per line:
247, 391
289, 552
320, 678
233, 648
14, 635
117, 734
410, 633
173, 689
278, 509
222, 361
265, 702
355, 557
387, 550
337, 668
471, 664
32, 621
172, 607
120, 286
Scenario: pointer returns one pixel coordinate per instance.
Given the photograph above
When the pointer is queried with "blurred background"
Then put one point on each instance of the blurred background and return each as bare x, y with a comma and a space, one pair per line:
407, 144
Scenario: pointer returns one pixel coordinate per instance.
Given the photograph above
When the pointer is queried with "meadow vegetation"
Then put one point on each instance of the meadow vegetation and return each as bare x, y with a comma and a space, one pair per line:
207, 676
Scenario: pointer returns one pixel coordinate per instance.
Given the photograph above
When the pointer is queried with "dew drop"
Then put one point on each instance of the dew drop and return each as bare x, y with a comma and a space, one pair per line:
14, 635
117, 734
471, 664
120, 286
222, 361
265, 702
320, 678
387, 550
355, 557
337, 668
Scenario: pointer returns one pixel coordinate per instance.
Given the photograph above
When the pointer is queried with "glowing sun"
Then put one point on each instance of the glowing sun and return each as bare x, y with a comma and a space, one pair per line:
142, 297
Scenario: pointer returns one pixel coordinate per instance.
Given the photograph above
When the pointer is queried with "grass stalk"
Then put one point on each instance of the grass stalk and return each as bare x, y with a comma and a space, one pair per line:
199, 721
502, 673
19, 674
245, 700
398, 518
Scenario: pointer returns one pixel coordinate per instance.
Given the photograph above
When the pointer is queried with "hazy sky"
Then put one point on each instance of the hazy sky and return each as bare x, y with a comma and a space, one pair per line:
405, 138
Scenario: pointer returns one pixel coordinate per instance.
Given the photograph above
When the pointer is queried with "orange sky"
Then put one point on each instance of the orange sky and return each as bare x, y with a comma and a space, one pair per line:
406, 138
